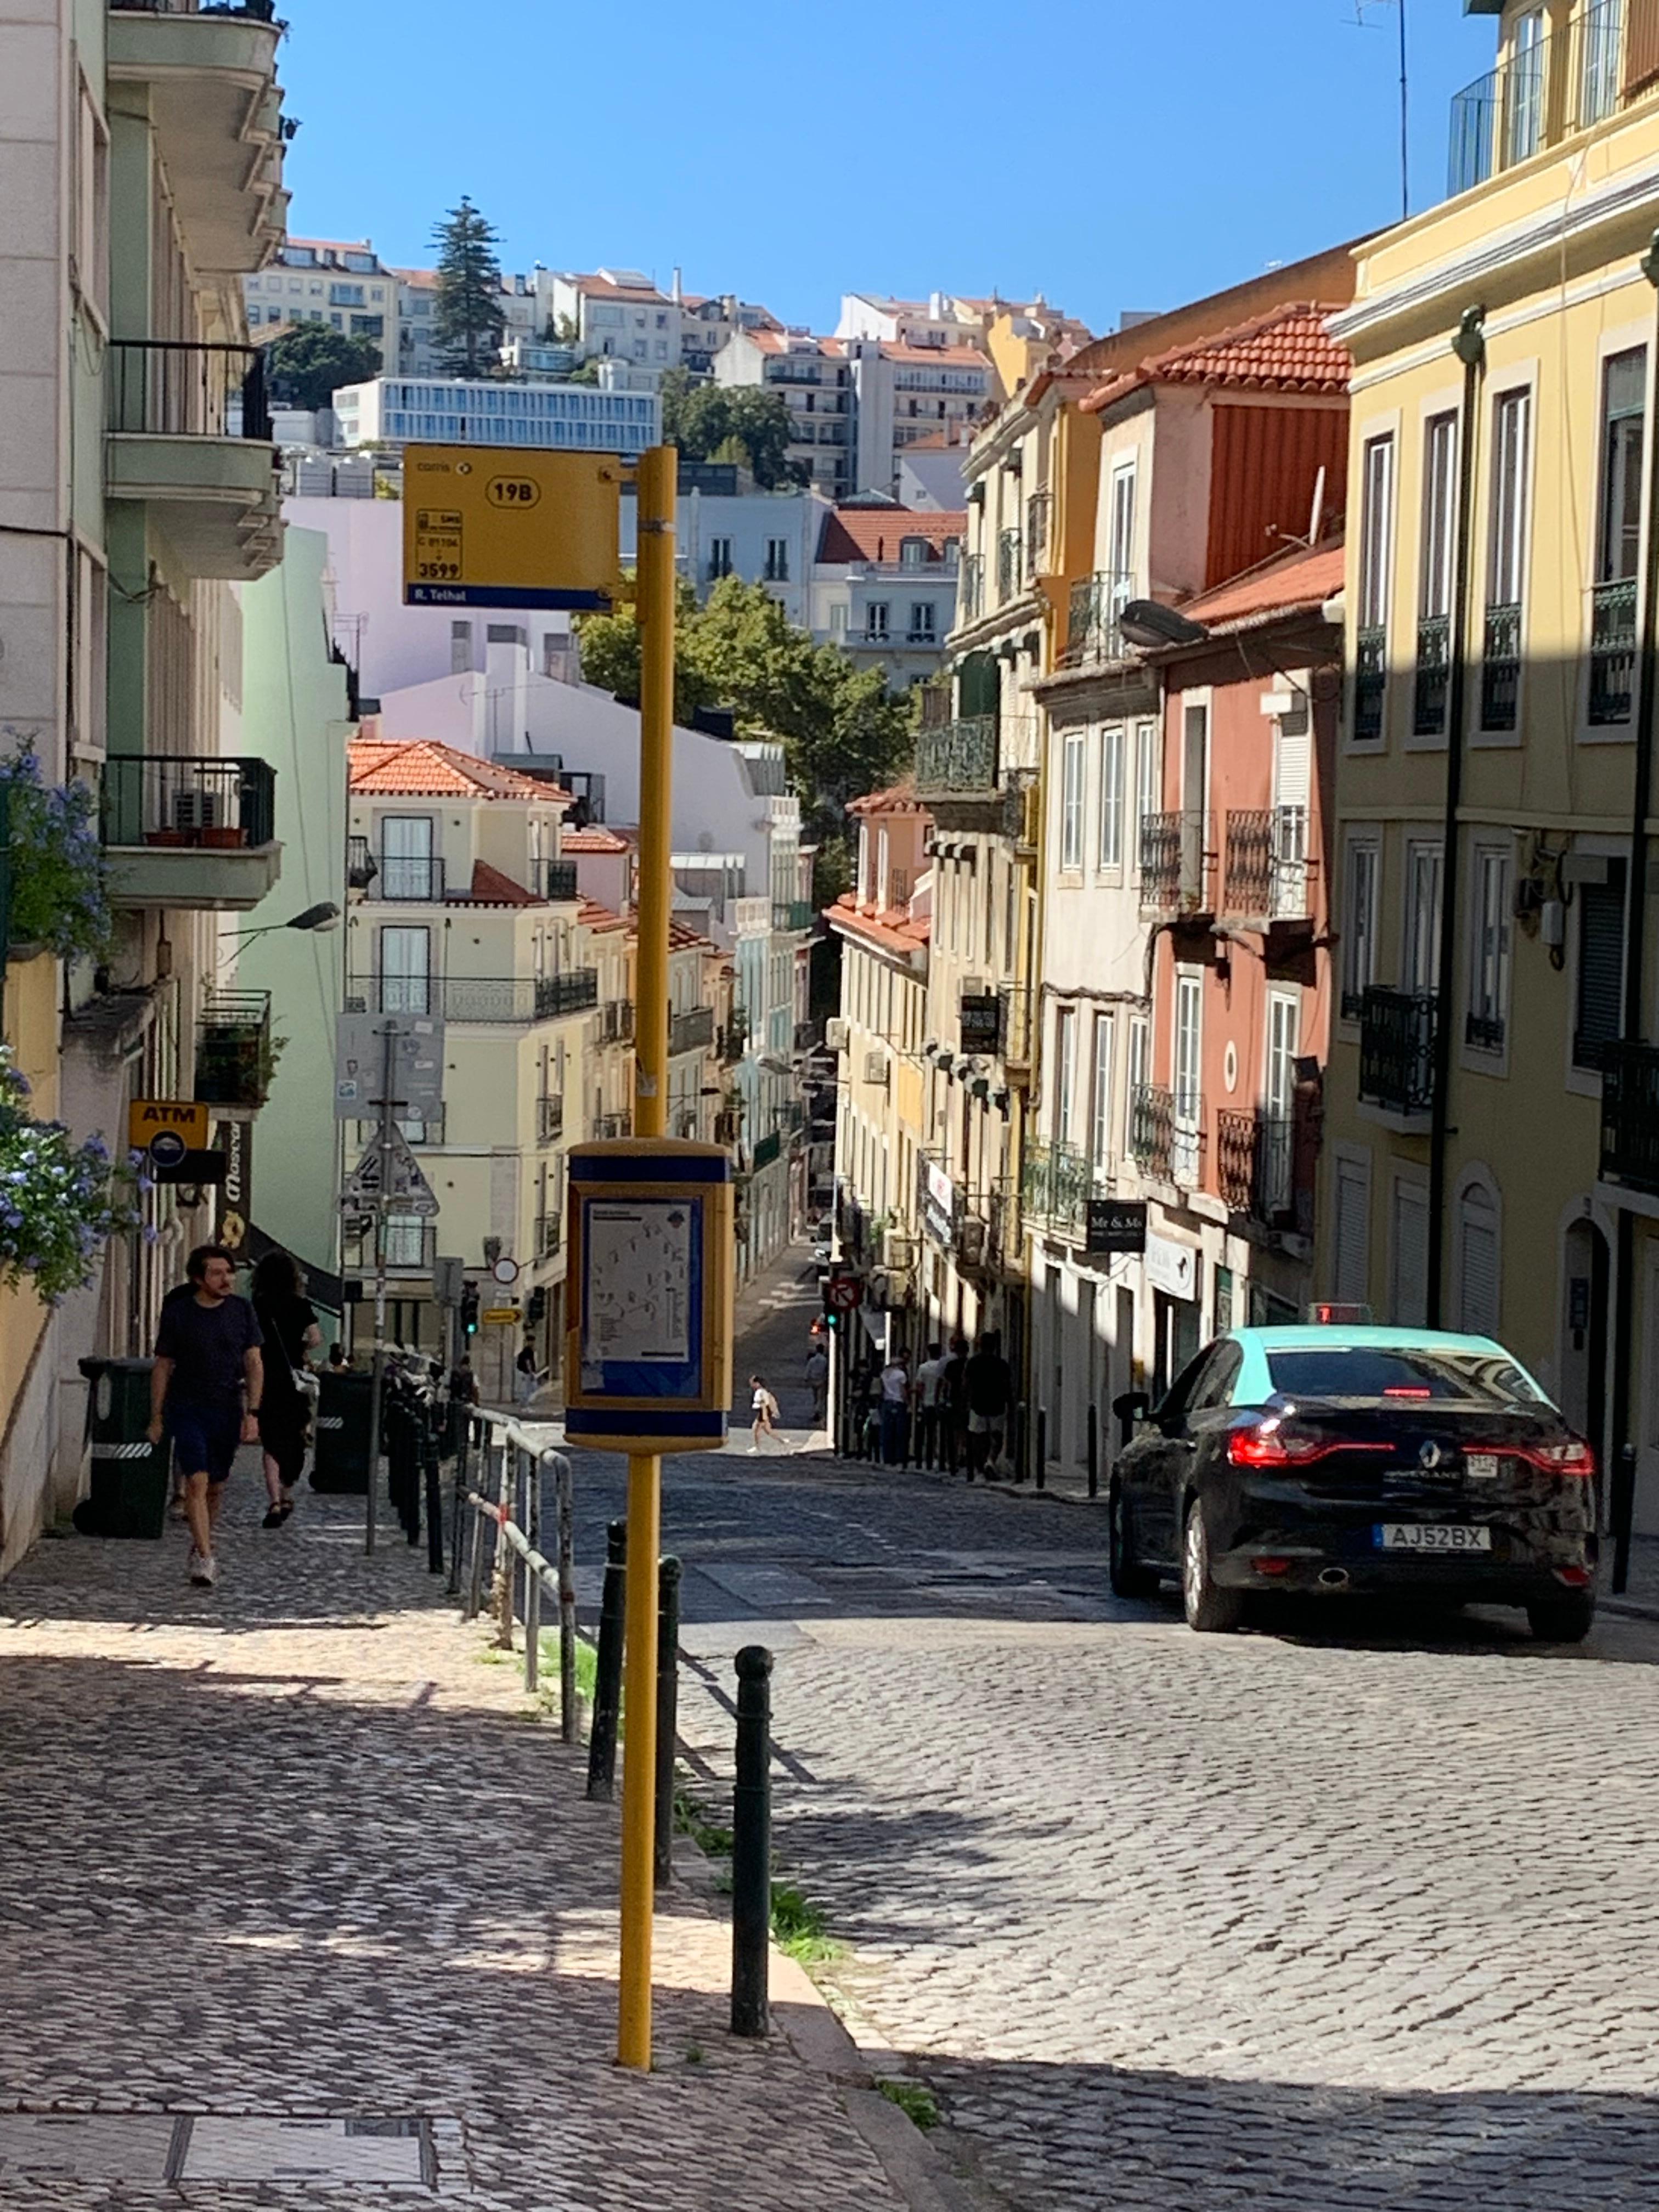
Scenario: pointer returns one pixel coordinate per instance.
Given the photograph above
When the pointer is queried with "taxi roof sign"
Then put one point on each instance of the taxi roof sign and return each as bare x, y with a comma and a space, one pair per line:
499, 526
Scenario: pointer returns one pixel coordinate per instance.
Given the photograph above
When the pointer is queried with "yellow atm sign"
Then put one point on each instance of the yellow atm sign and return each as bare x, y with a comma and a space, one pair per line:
494, 526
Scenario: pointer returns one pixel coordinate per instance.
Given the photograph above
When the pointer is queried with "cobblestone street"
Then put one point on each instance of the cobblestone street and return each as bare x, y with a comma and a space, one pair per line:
1343, 1913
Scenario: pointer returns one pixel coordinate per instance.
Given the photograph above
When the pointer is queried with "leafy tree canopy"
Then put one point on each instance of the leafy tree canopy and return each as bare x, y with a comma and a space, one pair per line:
308, 365
468, 316
717, 422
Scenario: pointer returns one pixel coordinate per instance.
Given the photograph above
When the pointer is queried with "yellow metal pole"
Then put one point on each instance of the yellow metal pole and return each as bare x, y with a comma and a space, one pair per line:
657, 483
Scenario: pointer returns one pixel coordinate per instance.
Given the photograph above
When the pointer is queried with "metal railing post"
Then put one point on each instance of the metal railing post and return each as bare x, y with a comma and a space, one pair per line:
434, 1496
475, 1570
668, 1685
568, 1714
505, 1563
533, 1581
751, 1843
607, 1687
1041, 1468
462, 1431
1094, 1451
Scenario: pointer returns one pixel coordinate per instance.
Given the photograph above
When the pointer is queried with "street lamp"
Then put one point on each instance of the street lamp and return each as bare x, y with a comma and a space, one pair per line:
1150, 624
324, 916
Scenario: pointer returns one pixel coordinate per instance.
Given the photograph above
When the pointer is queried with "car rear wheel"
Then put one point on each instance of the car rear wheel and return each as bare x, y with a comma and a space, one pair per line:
1562, 1620
1210, 1609
1129, 1577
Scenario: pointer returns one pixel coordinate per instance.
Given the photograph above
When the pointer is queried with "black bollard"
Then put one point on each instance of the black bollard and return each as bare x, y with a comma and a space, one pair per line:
607, 1687
1094, 1451
1019, 1442
668, 1700
752, 1843
434, 1497
1043, 1448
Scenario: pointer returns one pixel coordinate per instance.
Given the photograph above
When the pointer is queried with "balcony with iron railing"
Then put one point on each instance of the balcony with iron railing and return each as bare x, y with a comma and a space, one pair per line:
1011, 574
691, 1030
411, 1247
960, 757
1092, 631
235, 1058
1039, 519
609, 1126
1431, 689
1550, 87
616, 1021
1630, 1116
1500, 668
550, 1120
1166, 1133
734, 1037
1266, 867
1262, 1171
189, 428
1177, 864
410, 880
970, 588
491, 999
1396, 1050
1057, 1181
792, 915
188, 831
1612, 653
559, 882
1370, 683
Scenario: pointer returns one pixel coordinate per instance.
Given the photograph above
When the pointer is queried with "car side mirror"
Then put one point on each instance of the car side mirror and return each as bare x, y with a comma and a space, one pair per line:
1132, 1406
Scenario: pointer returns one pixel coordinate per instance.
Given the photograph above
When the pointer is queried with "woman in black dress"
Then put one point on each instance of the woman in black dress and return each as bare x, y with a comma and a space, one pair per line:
292, 1335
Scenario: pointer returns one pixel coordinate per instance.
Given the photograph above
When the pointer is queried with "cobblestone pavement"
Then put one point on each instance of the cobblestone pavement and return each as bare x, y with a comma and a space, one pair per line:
289, 1849
1349, 1912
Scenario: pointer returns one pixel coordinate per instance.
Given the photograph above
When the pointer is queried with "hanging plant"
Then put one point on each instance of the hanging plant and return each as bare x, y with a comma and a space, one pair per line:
60, 1201
59, 896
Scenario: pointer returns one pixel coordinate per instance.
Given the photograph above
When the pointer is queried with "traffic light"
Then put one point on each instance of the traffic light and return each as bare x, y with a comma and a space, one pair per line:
469, 1310
536, 1310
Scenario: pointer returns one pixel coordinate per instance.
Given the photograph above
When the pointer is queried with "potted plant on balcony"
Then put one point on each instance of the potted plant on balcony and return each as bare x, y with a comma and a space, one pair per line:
60, 1202
58, 898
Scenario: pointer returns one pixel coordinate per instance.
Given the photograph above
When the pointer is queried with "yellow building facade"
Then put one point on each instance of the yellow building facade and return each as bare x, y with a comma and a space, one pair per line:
1491, 1157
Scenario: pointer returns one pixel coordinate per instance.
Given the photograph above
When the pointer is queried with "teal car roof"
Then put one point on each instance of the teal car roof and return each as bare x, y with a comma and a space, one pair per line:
1311, 1338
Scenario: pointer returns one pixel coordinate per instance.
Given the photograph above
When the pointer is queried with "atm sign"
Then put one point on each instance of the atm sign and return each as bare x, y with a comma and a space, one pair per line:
182, 1117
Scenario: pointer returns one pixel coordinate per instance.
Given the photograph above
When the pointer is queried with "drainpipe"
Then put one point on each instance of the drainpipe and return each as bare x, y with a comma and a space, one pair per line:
1622, 1492
1470, 347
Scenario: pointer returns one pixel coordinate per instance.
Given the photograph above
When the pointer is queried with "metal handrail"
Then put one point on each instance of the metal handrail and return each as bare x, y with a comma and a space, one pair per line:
174, 388
498, 1438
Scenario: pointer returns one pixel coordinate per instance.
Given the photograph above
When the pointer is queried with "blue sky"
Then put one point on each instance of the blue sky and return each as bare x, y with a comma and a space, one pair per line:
1109, 154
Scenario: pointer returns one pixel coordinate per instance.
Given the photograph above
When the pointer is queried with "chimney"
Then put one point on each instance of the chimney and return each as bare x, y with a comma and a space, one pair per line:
674, 293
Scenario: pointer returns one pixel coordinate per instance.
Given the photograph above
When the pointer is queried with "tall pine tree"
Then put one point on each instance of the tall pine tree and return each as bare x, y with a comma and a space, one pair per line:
468, 316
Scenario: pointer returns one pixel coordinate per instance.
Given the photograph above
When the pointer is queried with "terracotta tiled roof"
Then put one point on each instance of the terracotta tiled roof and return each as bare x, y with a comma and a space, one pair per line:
1302, 579
894, 927
949, 356
334, 246
596, 838
897, 798
852, 533
424, 280
393, 768
1287, 350
593, 915
602, 287
492, 887
682, 938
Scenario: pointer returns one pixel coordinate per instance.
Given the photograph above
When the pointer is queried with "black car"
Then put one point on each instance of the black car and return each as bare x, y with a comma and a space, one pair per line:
1328, 1460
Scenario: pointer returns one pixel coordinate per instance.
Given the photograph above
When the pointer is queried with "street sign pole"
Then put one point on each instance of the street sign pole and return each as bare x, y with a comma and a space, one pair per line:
658, 483
377, 1386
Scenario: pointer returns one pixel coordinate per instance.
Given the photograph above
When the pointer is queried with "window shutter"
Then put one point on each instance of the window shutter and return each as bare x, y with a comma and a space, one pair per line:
1293, 759
1478, 1294
1601, 969
1409, 1291
1352, 1270
1641, 44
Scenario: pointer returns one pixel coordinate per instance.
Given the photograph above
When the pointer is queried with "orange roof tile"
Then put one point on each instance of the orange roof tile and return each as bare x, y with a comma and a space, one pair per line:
1286, 350
1305, 578
873, 533
949, 357
897, 798
682, 938
894, 928
492, 887
596, 838
593, 915
386, 767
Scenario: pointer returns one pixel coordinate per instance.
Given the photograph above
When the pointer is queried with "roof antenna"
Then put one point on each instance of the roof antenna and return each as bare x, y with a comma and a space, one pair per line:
1362, 23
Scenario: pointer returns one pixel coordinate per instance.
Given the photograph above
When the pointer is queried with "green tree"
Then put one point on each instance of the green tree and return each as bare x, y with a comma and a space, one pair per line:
468, 318
308, 365
716, 421
760, 422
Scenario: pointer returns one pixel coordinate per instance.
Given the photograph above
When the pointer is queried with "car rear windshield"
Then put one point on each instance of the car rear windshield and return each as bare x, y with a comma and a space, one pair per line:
1400, 1373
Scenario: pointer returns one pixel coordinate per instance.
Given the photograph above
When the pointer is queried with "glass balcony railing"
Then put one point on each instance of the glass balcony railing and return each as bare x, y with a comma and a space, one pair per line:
1548, 85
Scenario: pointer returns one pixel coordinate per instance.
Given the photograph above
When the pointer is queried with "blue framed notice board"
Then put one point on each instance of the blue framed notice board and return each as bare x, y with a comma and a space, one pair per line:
648, 1314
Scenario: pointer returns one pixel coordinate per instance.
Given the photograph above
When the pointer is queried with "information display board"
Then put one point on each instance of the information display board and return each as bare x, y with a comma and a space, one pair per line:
649, 1347
504, 526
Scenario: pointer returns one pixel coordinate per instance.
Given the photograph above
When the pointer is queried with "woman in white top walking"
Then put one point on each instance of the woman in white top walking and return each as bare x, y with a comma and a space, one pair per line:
766, 1412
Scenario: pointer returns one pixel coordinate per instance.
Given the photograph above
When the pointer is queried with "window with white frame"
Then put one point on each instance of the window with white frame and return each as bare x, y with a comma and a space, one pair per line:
1617, 538
875, 619
1100, 1139
1149, 781
1138, 1072
1072, 782
405, 971
1506, 560
1065, 1070
1110, 848
1376, 561
777, 560
1121, 544
1425, 871
1360, 904
1434, 595
1489, 948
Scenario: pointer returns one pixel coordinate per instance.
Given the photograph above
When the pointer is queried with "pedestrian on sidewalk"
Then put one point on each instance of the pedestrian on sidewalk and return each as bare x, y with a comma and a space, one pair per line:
206, 1388
895, 1410
953, 1392
930, 1389
765, 1409
817, 1381
528, 1376
287, 1322
989, 1385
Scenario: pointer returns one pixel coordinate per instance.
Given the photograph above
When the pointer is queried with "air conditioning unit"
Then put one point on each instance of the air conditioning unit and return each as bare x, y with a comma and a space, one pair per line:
897, 1250
195, 809
836, 1033
875, 1068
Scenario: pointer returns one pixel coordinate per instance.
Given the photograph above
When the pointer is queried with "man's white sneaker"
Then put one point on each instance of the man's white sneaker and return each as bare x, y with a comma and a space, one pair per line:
204, 1572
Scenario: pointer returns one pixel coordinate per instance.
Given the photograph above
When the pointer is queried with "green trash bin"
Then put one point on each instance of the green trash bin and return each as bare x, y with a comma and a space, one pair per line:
340, 1461
131, 1476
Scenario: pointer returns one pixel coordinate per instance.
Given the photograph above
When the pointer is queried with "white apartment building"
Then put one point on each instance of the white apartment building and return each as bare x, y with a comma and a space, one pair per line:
614, 312
341, 283
459, 411
767, 538
884, 586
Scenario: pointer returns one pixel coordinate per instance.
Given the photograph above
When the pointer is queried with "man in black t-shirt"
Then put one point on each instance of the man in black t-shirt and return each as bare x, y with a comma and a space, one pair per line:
206, 1389
988, 1383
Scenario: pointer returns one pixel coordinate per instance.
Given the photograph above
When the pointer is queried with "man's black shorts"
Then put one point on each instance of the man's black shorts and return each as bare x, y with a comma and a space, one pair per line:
204, 1439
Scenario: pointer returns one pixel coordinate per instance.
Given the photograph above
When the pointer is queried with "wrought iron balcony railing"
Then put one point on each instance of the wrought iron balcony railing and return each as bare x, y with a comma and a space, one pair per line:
1630, 1115
167, 799
1057, 1181
1166, 1133
409, 878
616, 1021
1431, 689
161, 387
606, 1126
1371, 684
1396, 1049
1260, 1169
1613, 652
961, 755
1175, 863
692, 1031
559, 881
1091, 629
792, 913
489, 998
1266, 864
1500, 668
1039, 517
1540, 92
234, 1060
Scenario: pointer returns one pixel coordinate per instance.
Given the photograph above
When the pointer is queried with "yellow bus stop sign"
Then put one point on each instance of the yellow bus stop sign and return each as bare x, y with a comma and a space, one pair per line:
495, 527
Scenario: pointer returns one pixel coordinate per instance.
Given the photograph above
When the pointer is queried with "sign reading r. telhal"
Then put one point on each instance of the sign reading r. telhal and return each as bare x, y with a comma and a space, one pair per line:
493, 526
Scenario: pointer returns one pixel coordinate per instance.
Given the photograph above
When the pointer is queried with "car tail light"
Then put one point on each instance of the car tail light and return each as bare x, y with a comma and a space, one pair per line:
1268, 1444
1406, 1390
1572, 1457
1575, 1577
1270, 1566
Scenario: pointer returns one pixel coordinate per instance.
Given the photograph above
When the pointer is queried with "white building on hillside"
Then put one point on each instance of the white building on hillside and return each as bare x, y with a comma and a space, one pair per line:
457, 411
342, 283
884, 586
618, 313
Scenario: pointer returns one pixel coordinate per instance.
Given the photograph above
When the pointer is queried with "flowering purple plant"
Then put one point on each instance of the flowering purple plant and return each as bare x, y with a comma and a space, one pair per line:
59, 1202
59, 896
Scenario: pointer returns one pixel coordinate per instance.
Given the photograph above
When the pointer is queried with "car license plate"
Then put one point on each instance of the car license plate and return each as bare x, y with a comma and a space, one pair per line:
1482, 1466
1432, 1536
